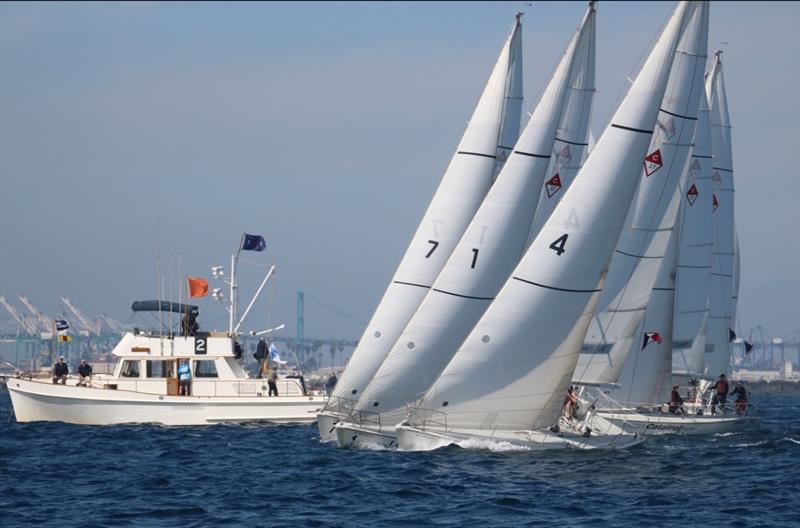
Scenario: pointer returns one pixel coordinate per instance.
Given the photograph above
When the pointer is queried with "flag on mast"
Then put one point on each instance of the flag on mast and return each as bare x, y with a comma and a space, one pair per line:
198, 287
253, 243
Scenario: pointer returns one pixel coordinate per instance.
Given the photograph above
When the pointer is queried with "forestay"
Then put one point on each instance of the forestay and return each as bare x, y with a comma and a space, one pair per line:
614, 331
494, 127
721, 297
490, 248
514, 367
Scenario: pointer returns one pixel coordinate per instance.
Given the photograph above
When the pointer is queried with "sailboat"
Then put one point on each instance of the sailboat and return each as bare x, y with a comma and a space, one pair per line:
485, 255
484, 147
699, 414
507, 380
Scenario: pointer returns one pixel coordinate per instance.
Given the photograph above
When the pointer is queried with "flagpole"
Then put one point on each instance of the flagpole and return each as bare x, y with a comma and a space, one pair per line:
234, 261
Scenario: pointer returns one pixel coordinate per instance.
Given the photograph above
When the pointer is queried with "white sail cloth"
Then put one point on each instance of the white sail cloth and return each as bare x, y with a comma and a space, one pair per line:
494, 126
722, 296
694, 255
514, 367
491, 245
614, 330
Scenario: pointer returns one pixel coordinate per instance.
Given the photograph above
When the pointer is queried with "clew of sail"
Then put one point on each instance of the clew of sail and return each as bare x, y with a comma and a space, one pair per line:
723, 261
513, 369
488, 251
694, 255
494, 125
613, 332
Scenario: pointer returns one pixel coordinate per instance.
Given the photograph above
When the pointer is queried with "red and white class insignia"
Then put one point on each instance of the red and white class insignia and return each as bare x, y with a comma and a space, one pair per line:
716, 178
714, 201
692, 194
651, 336
552, 185
563, 155
694, 168
653, 162
667, 126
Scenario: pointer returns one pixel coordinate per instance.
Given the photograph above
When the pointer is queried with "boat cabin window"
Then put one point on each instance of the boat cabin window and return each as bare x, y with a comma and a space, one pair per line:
130, 369
204, 368
159, 369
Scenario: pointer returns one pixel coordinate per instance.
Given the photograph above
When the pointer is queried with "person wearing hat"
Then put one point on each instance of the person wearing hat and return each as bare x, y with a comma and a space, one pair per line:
740, 406
60, 371
85, 373
676, 402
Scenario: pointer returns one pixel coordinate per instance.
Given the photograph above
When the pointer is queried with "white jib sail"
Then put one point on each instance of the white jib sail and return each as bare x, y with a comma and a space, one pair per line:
494, 126
721, 298
514, 367
696, 228
488, 251
643, 242
647, 373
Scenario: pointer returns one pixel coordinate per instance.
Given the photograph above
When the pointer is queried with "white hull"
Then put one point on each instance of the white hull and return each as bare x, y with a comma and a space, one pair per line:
663, 423
326, 422
414, 439
350, 435
37, 401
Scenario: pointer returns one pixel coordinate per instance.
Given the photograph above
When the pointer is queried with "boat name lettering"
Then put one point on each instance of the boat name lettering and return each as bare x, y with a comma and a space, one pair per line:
140, 349
663, 427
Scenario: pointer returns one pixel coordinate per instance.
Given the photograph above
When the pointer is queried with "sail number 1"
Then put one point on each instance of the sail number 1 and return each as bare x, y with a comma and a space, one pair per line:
558, 244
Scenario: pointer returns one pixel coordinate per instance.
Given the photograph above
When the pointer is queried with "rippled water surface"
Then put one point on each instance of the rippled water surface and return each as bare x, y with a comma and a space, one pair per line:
255, 475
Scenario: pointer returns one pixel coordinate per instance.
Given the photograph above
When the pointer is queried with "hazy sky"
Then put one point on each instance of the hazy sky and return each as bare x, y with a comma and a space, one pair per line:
133, 130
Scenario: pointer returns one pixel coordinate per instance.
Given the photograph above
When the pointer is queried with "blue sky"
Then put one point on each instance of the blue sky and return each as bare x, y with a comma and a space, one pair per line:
137, 129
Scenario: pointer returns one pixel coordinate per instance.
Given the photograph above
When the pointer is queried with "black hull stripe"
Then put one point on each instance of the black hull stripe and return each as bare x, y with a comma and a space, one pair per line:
531, 155
411, 284
632, 129
553, 287
678, 115
573, 142
636, 256
464, 296
477, 154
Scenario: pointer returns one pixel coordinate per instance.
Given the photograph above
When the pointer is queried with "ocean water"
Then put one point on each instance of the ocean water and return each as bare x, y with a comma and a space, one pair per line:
255, 475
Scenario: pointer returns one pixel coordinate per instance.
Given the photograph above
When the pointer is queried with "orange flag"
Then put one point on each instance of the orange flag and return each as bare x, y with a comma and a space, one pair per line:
198, 287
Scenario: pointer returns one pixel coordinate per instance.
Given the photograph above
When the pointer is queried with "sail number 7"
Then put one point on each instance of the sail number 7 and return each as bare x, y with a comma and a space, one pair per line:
558, 244
434, 244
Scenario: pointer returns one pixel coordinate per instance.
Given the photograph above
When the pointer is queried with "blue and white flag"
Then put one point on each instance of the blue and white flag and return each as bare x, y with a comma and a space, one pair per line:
274, 356
253, 243
61, 325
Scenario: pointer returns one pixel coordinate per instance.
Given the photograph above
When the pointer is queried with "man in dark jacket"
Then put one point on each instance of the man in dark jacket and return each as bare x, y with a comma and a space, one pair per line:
60, 371
85, 373
261, 355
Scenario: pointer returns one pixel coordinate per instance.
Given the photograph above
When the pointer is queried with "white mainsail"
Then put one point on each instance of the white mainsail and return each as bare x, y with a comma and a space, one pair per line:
721, 297
696, 228
493, 127
614, 330
514, 367
492, 245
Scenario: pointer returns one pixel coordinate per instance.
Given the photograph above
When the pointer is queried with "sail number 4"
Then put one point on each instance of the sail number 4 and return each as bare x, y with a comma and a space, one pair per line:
558, 244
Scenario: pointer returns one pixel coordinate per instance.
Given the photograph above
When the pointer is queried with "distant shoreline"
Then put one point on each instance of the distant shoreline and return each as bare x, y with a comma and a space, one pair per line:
772, 387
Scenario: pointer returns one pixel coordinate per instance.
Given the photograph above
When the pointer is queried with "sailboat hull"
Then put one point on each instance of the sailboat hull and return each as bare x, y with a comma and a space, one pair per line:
349, 435
411, 438
326, 422
663, 423
36, 401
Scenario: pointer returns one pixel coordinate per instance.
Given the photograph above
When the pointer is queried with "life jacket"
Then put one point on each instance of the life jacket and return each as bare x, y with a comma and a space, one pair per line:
722, 387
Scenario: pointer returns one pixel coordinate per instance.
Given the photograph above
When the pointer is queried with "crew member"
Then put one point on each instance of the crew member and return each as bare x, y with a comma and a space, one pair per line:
720, 394
85, 373
676, 402
261, 355
740, 406
272, 382
185, 378
570, 404
60, 371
